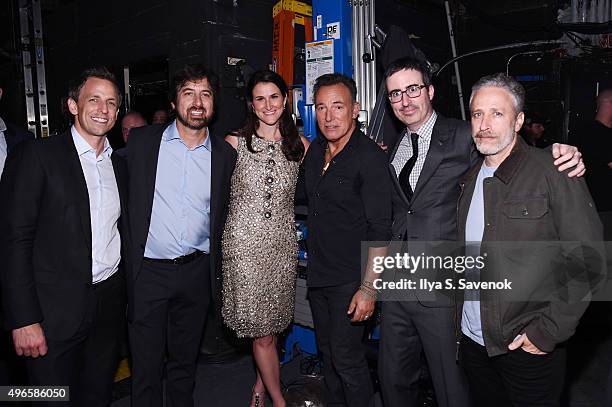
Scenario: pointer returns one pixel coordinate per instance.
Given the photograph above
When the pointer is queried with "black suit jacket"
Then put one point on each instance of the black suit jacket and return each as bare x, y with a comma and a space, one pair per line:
431, 215
45, 234
142, 152
15, 135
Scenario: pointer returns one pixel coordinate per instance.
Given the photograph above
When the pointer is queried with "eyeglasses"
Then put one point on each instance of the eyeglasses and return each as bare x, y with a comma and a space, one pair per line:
412, 91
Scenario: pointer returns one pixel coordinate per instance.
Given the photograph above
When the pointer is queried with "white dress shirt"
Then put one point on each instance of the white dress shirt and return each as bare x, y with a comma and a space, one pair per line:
104, 207
404, 150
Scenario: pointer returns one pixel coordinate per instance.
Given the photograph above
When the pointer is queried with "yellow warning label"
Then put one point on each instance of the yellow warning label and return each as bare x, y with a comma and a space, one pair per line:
297, 7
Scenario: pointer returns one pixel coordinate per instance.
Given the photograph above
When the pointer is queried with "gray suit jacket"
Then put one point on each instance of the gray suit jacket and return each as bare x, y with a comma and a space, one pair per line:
431, 215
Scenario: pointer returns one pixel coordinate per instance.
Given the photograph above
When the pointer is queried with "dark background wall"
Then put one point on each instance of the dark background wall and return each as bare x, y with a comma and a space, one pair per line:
153, 37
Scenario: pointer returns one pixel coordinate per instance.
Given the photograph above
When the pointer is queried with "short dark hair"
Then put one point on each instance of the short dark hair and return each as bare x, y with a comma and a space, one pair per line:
409, 63
192, 73
330, 79
100, 72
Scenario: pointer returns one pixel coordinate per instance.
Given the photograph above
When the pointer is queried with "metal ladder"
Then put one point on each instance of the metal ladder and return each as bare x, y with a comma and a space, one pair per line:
32, 43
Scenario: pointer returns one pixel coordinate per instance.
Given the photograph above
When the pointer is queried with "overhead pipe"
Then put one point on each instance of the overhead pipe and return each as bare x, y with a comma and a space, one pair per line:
451, 33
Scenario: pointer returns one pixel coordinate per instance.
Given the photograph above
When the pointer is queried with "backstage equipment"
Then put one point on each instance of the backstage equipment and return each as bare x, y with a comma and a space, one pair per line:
32, 42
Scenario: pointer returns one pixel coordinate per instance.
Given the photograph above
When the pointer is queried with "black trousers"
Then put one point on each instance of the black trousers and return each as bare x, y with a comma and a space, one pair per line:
169, 311
340, 342
515, 379
87, 362
407, 328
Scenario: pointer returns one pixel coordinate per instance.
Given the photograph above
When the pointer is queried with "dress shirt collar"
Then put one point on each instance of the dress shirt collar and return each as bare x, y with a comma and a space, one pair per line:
83, 146
171, 133
426, 129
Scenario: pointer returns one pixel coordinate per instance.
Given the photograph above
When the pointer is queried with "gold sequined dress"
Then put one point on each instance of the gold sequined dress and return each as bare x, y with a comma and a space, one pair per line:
259, 243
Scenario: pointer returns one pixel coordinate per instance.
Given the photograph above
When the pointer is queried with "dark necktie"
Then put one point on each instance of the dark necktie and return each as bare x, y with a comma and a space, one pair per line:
404, 176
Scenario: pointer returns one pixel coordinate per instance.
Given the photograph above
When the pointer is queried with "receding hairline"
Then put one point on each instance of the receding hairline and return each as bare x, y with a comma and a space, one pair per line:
137, 115
502, 88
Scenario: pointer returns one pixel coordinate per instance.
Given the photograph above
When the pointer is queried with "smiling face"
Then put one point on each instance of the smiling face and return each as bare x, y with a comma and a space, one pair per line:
336, 112
194, 104
96, 109
268, 102
494, 121
413, 112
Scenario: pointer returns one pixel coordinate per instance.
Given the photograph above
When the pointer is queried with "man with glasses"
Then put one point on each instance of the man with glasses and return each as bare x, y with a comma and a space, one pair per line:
427, 163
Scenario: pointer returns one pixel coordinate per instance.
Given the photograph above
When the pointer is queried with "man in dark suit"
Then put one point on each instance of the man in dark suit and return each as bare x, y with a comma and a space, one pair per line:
426, 165
179, 189
61, 202
11, 367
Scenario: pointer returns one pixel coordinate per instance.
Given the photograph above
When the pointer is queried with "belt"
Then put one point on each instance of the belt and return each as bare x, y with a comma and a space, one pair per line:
108, 281
177, 260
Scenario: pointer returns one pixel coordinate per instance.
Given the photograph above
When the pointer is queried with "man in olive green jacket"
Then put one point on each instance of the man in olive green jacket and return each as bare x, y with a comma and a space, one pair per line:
513, 331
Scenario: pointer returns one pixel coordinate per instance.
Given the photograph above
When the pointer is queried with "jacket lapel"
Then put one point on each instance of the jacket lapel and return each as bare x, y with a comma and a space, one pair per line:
216, 177
121, 180
392, 171
76, 185
150, 175
435, 154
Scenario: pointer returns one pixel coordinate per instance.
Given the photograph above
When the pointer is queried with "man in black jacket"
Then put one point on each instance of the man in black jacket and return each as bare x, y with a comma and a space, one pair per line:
62, 205
179, 189
10, 136
511, 336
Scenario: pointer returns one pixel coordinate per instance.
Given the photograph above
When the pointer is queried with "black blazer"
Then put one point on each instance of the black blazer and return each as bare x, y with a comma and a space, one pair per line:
142, 152
45, 235
15, 135
432, 212
431, 215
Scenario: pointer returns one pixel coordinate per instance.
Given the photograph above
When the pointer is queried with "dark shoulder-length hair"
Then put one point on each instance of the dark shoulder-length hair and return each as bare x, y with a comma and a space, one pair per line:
291, 145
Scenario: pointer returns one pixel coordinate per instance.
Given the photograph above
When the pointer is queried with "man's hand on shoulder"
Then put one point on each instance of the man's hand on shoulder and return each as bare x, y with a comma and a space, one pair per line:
30, 341
567, 156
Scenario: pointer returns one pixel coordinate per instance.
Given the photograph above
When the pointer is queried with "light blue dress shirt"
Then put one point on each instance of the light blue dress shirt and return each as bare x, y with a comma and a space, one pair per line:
180, 217
471, 324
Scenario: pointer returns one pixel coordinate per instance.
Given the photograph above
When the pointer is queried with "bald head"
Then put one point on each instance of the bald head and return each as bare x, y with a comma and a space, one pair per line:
130, 121
604, 107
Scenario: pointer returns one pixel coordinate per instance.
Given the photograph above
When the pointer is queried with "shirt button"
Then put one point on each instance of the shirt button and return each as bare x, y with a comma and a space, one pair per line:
410, 211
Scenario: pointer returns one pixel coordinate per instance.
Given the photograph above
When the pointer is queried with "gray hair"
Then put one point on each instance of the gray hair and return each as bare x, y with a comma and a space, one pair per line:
501, 80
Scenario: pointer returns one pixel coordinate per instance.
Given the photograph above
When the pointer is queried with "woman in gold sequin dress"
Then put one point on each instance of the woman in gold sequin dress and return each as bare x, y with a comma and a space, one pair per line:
259, 242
